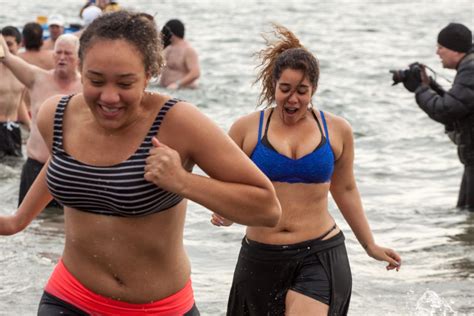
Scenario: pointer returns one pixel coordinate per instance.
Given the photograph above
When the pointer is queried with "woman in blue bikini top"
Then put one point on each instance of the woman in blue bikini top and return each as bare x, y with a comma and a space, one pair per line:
304, 160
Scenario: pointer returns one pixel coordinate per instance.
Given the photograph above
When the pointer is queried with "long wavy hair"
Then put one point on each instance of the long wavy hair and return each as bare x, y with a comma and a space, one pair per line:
283, 51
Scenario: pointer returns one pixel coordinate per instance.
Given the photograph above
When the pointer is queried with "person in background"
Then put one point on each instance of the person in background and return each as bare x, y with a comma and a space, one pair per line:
111, 6
56, 28
12, 107
181, 59
299, 267
33, 41
129, 154
42, 84
106, 6
89, 14
453, 108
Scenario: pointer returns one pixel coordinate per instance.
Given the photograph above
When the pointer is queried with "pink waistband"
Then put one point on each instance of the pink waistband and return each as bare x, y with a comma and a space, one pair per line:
66, 287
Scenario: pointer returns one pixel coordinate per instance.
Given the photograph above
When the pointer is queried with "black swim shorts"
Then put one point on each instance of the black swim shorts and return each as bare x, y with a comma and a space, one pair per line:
315, 268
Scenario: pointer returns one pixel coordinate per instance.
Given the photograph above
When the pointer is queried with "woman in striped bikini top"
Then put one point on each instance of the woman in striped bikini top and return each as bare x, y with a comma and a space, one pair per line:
121, 161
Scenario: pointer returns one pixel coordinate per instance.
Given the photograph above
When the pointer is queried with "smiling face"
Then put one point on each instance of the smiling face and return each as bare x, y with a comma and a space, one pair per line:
293, 94
114, 80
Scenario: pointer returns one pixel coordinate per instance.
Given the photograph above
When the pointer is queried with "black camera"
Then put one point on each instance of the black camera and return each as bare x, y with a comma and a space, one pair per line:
413, 73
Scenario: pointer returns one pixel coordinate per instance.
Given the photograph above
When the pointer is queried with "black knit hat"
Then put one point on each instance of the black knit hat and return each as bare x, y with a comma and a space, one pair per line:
456, 37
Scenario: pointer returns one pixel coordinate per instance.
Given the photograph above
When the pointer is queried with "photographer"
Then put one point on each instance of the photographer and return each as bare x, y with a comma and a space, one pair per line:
453, 108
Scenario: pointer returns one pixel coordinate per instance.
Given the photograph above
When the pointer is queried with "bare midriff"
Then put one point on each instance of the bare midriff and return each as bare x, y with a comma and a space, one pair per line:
135, 260
305, 215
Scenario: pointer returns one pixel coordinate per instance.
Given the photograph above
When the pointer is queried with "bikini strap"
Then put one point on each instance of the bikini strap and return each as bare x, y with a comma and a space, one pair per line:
58, 124
319, 124
155, 127
327, 233
325, 126
268, 123
260, 124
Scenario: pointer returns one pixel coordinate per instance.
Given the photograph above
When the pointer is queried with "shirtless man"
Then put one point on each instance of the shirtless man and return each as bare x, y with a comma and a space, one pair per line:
33, 41
56, 28
181, 60
11, 104
42, 84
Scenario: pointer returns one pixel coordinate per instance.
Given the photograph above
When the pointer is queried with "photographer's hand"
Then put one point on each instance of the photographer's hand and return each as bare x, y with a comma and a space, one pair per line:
425, 80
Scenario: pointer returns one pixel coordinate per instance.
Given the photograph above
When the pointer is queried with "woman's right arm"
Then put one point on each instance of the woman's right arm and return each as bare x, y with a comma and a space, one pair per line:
34, 202
38, 196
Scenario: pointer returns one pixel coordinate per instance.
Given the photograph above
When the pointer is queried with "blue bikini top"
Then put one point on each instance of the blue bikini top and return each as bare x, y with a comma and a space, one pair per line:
315, 167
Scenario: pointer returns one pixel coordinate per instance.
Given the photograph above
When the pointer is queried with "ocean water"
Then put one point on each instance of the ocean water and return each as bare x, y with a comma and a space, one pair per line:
407, 169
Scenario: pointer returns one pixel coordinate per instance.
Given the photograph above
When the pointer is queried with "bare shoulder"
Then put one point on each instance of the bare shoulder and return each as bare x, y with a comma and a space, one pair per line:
244, 131
190, 50
183, 117
48, 108
183, 109
246, 121
337, 124
45, 119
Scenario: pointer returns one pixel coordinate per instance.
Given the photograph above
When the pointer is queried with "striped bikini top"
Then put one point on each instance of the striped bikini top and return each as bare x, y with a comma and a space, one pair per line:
118, 190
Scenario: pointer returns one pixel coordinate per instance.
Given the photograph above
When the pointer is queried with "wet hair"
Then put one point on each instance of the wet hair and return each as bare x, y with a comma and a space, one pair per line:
280, 54
176, 27
138, 29
32, 36
12, 31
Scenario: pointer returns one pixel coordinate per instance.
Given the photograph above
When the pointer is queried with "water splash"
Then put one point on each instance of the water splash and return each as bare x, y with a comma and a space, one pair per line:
430, 304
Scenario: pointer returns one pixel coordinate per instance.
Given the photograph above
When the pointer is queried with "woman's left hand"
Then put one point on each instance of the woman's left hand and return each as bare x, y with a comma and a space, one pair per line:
385, 254
164, 168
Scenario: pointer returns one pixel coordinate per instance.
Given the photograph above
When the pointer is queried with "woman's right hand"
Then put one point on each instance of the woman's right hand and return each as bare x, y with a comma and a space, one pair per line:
218, 220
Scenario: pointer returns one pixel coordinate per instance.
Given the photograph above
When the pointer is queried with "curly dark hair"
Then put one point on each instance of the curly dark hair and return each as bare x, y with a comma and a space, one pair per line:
139, 29
280, 54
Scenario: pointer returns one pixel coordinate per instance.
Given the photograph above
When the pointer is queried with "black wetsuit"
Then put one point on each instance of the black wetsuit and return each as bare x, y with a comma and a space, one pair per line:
455, 109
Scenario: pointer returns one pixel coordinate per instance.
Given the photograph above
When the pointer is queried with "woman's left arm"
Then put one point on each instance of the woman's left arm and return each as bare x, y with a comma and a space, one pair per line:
346, 195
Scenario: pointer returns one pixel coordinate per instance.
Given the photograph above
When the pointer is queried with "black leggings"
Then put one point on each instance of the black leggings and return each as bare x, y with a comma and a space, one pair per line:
52, 306
466, 192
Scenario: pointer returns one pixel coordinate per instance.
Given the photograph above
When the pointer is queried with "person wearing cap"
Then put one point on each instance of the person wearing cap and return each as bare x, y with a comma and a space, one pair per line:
181, 59
454, 108
12, 107
88, 14
56, 28
106, 6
